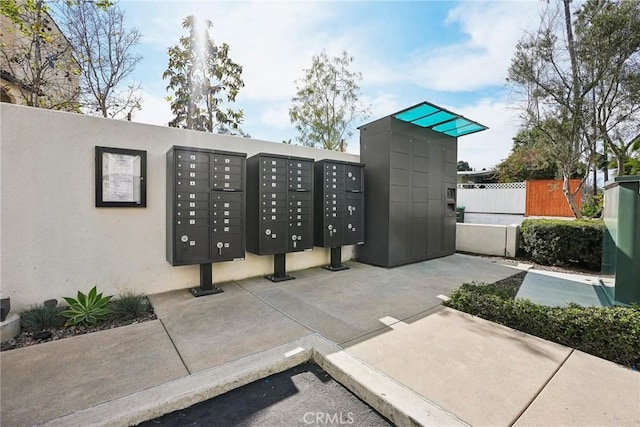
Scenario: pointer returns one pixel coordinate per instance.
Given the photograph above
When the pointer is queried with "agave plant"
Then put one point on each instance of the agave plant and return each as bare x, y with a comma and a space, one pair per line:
86, 309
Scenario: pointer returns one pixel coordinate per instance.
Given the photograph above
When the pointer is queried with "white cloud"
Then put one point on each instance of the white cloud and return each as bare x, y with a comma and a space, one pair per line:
155, 111
487, 148
493, 30
276, 116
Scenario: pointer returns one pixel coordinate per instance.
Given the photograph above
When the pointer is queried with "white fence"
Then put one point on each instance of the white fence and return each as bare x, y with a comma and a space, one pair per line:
508, 198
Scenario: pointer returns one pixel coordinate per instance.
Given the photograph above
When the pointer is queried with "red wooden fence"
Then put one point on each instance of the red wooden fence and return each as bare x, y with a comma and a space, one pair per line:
545, 198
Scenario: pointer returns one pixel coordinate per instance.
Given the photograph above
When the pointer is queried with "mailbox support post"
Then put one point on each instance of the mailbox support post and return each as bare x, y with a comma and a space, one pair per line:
206, 282
336, 260
279, 269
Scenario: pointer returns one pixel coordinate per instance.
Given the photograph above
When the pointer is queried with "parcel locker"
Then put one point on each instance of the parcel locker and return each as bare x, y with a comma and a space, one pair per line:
279, 206
411, 159
338, 207
205, 209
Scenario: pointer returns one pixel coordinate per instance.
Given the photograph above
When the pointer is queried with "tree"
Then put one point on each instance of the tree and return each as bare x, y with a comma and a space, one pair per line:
609, 49
555, 70
36, 60
530, 159
463, 166
201, 76
103, 48
327, 102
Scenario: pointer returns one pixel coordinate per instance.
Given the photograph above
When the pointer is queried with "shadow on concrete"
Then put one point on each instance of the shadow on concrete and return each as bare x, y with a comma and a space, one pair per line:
302, 396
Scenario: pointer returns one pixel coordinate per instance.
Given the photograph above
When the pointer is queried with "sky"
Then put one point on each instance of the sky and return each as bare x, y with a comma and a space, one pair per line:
454, 54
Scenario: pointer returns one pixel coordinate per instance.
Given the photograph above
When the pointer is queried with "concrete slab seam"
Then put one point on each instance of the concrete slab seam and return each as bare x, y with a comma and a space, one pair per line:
174, 346
546, 383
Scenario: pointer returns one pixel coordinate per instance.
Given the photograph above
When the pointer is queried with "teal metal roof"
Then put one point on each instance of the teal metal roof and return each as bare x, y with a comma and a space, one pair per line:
438, 119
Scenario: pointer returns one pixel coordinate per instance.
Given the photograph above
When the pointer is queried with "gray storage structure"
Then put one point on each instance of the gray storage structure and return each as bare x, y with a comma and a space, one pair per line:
411, 159
205, 209
339, 207
280, 208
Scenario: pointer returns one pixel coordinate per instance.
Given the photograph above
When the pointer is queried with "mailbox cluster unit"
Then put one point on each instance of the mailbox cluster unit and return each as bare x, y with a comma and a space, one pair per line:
280, 206
339, 207
205, 209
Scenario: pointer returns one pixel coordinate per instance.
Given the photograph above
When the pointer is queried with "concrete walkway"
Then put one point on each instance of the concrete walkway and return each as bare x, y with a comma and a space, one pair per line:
381, 332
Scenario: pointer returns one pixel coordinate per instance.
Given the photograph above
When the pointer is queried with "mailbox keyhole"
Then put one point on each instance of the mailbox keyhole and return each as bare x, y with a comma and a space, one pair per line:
219, 245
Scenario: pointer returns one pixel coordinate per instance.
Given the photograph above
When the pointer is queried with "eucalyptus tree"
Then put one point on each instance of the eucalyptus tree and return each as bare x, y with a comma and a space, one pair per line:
574, 84
327, 102
202, 78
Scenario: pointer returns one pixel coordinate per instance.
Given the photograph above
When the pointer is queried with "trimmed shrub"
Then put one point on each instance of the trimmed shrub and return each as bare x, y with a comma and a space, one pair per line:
563, 242
612, 333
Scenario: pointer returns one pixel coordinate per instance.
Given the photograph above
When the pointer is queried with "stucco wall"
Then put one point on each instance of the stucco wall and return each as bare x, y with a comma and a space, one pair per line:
499, 240
54, 241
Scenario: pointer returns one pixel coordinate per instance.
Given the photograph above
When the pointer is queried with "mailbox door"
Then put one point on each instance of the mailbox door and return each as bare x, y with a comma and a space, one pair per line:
354, 178
354, 219
192, 244
273, 237
300, 218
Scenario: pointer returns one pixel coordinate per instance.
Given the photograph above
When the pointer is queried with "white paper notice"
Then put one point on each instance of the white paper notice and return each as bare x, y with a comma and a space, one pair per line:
120, 178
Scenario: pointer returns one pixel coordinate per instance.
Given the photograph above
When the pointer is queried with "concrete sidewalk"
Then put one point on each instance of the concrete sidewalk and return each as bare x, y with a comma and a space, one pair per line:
380, 332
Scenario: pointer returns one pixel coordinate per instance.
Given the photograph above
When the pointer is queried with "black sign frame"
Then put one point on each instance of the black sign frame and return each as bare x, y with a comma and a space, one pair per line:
120, 178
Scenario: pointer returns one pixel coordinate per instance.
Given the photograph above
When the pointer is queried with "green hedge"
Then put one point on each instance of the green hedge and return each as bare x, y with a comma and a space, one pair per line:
612, 333
564, 242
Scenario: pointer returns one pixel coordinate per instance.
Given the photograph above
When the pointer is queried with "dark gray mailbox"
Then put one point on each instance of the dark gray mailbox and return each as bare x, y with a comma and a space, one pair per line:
411, 159
205, 209
339, 207
280, 208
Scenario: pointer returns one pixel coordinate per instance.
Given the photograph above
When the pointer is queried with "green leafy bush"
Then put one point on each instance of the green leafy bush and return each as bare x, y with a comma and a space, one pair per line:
130, 306
42, 316
87, 309
612, 333
563, 242
592, 205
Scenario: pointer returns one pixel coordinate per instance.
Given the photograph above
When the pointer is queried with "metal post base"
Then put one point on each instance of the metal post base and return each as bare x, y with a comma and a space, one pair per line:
336, 260
279, 269
206, 283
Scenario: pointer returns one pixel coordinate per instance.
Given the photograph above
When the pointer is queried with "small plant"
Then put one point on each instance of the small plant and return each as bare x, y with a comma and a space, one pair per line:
41, 317
87, 309
129, 306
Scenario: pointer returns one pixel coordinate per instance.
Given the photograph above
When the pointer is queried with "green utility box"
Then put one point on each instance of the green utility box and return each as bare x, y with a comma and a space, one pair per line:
460, 214
621, 241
